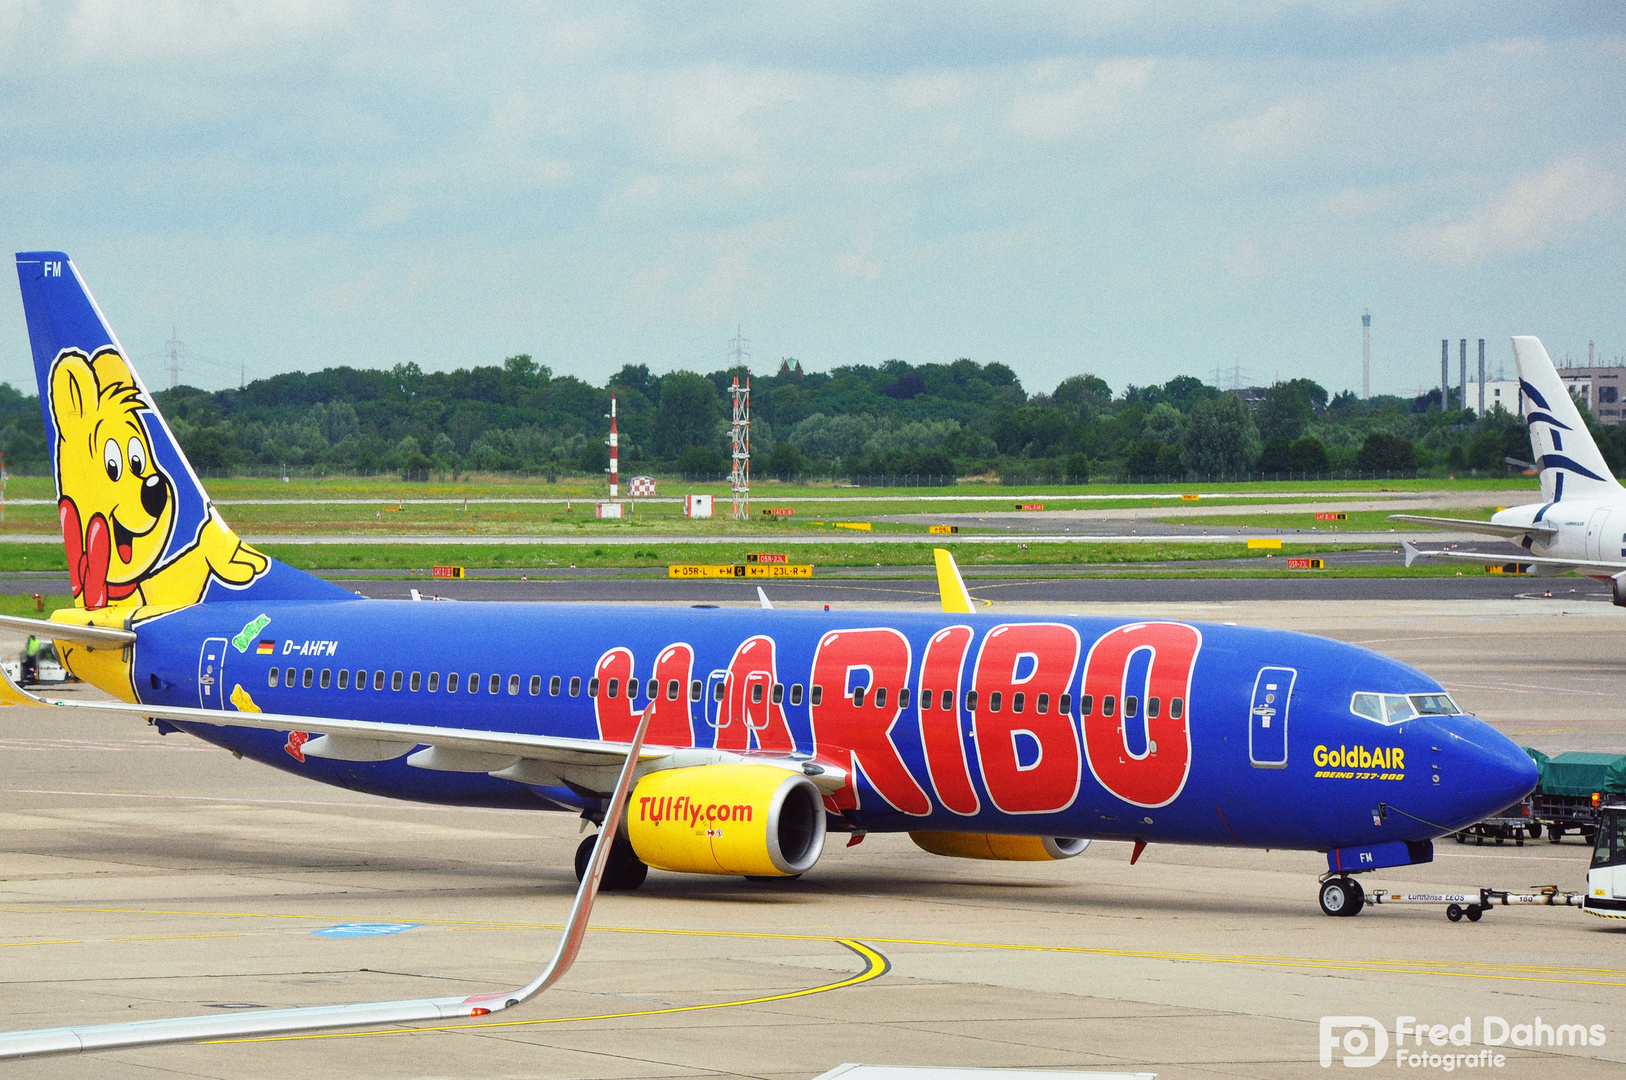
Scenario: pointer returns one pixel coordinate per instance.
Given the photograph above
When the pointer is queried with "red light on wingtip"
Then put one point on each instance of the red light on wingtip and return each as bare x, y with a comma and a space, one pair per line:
480, 1012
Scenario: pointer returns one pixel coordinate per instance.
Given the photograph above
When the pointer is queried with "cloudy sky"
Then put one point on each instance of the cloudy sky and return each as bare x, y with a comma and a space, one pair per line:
1137, 190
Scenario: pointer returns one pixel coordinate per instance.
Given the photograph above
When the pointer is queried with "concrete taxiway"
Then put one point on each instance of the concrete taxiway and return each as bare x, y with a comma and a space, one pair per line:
148, 876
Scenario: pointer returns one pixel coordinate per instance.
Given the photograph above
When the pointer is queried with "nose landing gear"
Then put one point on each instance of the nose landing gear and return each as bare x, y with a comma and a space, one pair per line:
1342, 896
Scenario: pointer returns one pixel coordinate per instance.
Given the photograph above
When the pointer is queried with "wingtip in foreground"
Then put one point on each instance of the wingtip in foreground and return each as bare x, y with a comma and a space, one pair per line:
73, 1040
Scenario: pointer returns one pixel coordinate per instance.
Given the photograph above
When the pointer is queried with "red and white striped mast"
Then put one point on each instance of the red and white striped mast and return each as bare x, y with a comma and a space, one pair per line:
615, 455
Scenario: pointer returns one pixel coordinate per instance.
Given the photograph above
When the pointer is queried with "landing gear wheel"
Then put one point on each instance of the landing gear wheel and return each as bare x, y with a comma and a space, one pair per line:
1341, 896
1454, 912
1474, 913
623, 872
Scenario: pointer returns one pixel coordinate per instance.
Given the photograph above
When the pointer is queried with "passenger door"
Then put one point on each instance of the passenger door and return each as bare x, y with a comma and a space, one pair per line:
1267, 717
211, 674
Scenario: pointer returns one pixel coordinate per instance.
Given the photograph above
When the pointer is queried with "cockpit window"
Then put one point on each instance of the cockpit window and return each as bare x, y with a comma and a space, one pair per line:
1398, 708
1367, 705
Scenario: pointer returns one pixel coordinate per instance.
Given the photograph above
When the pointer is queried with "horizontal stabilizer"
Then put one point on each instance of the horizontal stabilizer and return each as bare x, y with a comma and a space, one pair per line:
1488, 528
1590, 567
105, 636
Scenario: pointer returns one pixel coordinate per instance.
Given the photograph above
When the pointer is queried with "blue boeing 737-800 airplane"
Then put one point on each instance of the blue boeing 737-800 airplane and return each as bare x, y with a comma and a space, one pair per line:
981, 736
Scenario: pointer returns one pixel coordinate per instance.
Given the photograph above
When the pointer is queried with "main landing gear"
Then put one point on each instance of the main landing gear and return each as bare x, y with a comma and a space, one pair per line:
1342, 896
623, 872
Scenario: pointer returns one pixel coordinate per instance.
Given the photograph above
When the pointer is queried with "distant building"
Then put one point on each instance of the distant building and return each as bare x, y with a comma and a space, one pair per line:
1252, 396
1503, 392
1599, 388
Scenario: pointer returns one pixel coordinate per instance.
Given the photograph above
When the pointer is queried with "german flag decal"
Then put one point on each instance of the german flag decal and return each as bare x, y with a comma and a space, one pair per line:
266, 648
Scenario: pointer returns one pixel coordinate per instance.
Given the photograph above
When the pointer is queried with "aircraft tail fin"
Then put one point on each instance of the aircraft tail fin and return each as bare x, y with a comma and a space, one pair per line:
1567, 458
138, 527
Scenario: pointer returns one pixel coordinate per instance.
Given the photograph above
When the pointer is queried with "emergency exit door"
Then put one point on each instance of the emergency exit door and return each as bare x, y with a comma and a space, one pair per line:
1267, 717
211, 675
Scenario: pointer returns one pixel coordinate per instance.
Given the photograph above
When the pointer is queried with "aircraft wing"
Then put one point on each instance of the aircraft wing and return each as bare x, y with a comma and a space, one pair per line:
545, 760
1488, 528
1415, 554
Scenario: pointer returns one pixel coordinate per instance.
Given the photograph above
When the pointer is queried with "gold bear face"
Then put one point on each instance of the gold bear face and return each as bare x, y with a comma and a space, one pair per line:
114, 497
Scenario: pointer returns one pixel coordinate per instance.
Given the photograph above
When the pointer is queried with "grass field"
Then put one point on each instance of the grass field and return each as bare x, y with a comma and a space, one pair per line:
394, 507
1365, 521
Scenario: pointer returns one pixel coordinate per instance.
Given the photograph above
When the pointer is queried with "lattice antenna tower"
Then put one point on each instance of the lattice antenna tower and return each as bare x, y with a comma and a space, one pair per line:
739, 433
175, 344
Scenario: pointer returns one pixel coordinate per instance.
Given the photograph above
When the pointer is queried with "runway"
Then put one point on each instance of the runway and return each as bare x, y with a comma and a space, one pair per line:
148, 876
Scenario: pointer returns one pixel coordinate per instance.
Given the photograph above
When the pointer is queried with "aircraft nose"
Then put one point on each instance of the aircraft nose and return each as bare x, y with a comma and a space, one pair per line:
1483, 771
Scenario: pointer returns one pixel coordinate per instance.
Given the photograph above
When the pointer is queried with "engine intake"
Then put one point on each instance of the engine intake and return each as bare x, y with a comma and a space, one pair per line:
999, 847
754, 820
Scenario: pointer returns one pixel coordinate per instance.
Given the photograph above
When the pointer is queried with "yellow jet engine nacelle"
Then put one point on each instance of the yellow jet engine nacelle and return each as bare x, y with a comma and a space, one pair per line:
958, 845
754, 820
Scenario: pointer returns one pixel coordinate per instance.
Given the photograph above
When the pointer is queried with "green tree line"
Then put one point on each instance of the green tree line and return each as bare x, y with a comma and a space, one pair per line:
895, 419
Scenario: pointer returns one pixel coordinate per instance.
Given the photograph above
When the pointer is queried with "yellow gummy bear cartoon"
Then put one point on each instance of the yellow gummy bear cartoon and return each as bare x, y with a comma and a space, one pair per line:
118, 508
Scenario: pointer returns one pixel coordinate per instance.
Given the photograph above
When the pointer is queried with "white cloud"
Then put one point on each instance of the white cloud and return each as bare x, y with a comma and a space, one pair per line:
114, 29
1062, 98
1525, 217
1279, 133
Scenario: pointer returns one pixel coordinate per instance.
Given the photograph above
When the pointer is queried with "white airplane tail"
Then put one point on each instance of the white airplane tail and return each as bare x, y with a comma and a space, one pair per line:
1569, 461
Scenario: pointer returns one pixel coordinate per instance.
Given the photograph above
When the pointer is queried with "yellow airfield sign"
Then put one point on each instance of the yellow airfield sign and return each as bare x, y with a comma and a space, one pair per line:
739, 570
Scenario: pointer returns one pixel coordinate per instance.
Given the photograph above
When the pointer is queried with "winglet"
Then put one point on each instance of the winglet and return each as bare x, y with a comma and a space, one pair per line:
764, 598
1412, 554
956, 601
12, 694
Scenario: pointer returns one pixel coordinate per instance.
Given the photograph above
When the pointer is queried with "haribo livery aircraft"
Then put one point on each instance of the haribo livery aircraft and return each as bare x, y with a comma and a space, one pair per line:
1580, 523
981, 736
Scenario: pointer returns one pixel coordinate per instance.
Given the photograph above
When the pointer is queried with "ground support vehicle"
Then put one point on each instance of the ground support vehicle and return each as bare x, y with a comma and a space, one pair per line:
1474, 905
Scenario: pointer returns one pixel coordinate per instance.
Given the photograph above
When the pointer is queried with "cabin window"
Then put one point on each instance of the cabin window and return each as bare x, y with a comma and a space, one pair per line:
816, 695
496, 684
434, 681
858, 697
1042, 706
880, 697
361, 678
778, 692
1086, 705
417, 682
553, 686
452, 679
310, 677
326, 679
1019, 701
994, 701
344, 678
1108, 704
1153, 707
536, 686
697, 690
673, 689
1065, 704
274, 677
592, 686
291, 679
474, 683
926, 700
513, 685
575, 685
614, 689
395, 681
971, 701
795, 693
717, 691
903, 698
1176, 707
378, 679
1131, 706
756, 693
948, 700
